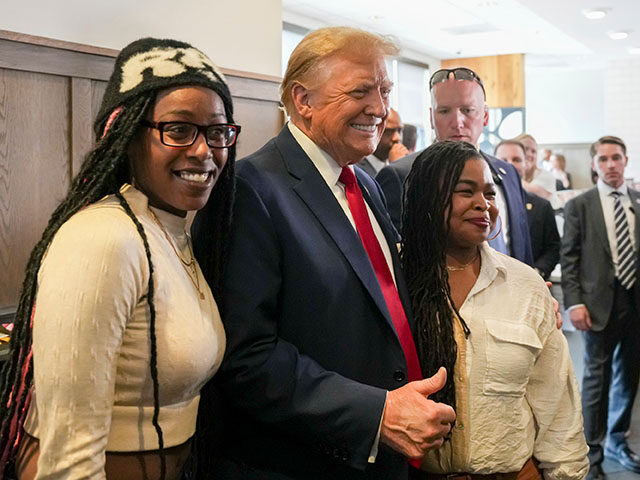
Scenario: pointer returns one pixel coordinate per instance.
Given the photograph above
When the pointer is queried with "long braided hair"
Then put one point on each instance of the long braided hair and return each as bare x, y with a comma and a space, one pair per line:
425, 224
105, 169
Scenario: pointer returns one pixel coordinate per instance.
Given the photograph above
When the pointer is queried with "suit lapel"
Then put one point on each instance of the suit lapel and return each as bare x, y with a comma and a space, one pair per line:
314, 192
594, 207
635, 206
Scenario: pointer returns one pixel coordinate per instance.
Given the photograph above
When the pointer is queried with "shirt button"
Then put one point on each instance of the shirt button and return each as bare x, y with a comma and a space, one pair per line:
399, 376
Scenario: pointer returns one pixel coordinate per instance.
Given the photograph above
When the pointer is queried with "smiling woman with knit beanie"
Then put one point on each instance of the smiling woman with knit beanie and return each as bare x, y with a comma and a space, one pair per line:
117, 330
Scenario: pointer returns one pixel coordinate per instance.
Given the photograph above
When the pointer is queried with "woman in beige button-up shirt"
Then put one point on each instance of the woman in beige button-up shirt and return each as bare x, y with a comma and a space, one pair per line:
489, 320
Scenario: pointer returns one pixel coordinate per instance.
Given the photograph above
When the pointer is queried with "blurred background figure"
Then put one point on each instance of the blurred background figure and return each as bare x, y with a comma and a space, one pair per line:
535, 180
389, 149
409, 137
545, 161
545, 240
558, 170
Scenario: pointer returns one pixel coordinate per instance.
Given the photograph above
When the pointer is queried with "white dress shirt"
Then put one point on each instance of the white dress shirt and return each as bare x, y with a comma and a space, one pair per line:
330, 171
503, 210
544, 179
607, 202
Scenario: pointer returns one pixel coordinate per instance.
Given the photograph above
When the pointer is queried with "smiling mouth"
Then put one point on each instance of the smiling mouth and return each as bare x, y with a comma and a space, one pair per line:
195, 177
364, 128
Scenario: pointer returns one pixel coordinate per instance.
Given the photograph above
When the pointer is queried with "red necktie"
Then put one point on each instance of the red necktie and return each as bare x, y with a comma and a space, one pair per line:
380, 266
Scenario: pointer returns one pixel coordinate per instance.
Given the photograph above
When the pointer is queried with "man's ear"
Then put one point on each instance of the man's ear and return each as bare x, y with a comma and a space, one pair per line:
486, 116
301, 97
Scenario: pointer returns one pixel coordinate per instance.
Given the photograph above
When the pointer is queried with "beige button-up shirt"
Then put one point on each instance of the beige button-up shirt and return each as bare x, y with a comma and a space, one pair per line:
516, 392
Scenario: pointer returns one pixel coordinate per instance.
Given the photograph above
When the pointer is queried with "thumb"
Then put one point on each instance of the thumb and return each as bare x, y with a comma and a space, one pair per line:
432, 384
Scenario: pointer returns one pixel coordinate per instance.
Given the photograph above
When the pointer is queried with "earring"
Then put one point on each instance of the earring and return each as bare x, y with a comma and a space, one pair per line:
499, 229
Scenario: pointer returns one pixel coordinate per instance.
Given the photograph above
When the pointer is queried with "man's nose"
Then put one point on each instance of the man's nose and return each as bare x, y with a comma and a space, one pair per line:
378, 105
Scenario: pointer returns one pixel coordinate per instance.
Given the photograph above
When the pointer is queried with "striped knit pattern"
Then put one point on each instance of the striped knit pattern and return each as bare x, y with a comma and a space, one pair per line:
626, 271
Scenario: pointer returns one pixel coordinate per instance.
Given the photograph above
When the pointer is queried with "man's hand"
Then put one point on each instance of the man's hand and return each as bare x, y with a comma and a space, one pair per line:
398, 150
556, 309
412, 424
580, 318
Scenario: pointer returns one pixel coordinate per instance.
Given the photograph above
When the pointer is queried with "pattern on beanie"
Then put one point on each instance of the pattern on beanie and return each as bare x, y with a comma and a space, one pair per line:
166, 62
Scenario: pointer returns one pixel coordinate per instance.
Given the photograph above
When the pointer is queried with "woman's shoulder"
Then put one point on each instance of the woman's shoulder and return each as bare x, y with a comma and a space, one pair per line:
515, 271
102, 228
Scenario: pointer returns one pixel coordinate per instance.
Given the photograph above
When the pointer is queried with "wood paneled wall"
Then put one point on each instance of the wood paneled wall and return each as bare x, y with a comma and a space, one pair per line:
50, 92
502, 76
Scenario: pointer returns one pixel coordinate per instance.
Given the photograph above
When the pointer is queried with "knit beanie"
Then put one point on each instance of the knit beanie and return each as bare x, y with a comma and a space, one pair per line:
155, 64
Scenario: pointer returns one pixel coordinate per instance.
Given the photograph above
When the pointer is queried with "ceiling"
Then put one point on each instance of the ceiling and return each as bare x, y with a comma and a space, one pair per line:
553, 33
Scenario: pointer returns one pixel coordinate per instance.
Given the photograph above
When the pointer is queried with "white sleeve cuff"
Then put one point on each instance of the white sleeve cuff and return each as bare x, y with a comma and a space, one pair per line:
574, 306
374, 449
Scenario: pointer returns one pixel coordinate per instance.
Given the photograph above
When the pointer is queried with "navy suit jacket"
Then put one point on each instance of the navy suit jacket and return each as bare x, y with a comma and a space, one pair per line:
311, 347
391, 179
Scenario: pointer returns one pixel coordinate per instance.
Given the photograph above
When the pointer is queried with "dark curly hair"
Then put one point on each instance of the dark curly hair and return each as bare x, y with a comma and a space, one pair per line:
425, 224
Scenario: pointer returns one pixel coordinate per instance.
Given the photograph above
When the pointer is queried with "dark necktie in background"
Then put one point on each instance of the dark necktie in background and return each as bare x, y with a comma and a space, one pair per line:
626, 271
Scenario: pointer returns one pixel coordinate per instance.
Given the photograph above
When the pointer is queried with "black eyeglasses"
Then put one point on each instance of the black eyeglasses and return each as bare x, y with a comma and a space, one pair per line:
459, 73
184, 134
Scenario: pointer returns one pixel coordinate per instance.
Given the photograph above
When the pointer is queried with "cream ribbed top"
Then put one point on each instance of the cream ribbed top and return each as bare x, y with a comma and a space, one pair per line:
92, 380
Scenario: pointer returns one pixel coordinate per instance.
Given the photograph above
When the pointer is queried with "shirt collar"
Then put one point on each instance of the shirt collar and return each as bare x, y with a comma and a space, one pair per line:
329, 169
491, 266
606, 190
376, 162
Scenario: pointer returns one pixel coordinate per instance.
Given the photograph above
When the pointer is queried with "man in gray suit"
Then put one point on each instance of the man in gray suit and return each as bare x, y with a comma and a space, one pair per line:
389, 149
601, 290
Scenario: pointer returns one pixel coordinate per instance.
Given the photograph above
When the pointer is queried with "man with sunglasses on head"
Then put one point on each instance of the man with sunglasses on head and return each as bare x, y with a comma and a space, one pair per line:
389, 149
459, 112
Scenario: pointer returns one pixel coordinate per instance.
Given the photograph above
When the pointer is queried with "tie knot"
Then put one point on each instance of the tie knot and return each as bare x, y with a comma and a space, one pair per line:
347, 177
616, 194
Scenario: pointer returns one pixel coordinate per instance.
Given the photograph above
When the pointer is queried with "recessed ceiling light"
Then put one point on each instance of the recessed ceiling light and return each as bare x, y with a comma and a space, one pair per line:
618, 35
634, 50
595, 13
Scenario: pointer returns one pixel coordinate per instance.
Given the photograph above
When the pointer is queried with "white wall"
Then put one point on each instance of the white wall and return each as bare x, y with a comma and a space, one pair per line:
579, 106
622, 108
242, 35
564, 106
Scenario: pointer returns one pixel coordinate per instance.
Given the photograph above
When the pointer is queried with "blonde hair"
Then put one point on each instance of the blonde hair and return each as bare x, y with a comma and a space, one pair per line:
306, 59
524, 136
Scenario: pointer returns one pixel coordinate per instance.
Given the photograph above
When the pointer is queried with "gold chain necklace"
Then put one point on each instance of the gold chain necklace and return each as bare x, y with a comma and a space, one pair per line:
190, 266
459, 268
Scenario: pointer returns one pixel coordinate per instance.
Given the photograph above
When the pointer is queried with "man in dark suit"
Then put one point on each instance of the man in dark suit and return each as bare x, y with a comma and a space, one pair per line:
389, 149
599, 281
545, 240
458, 112
321, 371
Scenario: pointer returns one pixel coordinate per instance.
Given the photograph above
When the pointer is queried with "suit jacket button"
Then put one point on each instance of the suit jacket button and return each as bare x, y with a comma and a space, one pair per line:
399, 376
